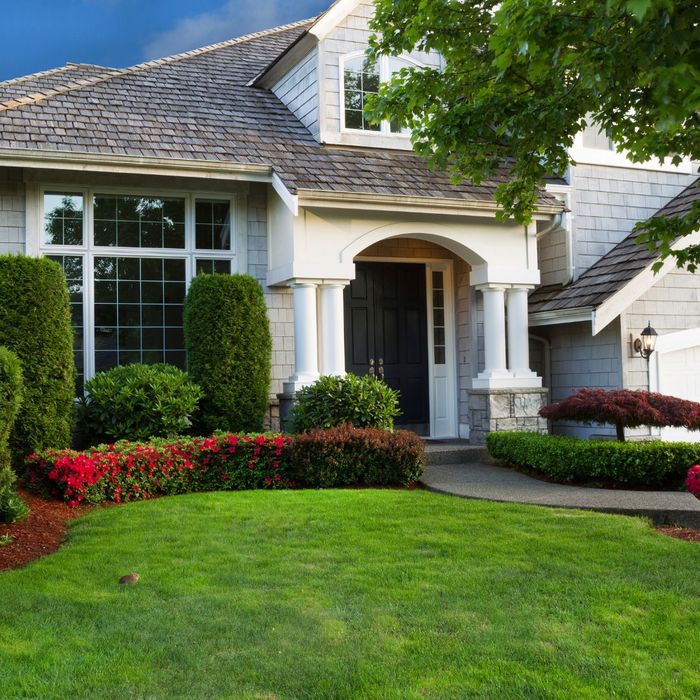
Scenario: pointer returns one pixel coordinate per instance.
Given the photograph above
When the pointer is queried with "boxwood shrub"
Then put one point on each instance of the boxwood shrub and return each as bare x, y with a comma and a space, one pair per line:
136, 402
650, 464
347, 455
35, 324
12, 507
228, 343
365, 402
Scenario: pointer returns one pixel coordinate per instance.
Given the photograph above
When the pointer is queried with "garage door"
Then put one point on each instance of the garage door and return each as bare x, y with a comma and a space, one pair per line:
679, 375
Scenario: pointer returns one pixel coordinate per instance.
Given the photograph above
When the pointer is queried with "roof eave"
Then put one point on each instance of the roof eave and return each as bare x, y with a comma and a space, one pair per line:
582, 314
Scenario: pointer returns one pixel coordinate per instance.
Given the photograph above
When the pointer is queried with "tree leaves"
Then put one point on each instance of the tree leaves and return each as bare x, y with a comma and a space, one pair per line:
522, 78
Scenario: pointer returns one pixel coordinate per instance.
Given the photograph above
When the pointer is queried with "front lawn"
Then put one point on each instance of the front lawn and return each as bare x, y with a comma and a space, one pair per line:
353, 594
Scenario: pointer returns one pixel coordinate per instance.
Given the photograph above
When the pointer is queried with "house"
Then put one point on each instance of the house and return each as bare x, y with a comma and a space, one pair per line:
253, 155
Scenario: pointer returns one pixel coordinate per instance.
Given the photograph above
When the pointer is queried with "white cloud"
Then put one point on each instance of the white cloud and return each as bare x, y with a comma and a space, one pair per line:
234, 18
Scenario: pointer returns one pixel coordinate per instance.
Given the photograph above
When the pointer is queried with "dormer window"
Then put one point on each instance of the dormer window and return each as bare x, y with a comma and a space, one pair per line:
361, 77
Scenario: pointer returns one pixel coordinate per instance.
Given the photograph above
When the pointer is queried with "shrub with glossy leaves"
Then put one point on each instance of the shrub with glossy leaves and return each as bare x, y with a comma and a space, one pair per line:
136, 402
347, 455
129, 471
35, 324
625, 409
649, 464
12, 507
365, 402
229, 350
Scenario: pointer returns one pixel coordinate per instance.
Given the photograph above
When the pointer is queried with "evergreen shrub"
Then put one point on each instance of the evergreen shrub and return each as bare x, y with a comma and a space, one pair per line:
229, 348
136, 402
346, 455
561, 458
365, 402
35, 324
12, 507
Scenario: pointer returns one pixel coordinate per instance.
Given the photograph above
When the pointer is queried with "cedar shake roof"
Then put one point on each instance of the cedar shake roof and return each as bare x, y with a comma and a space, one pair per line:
198, 106
38, 85
614, 270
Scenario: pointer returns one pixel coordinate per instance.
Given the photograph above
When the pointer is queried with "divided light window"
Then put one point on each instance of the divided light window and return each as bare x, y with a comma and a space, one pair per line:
129, 269
362, 77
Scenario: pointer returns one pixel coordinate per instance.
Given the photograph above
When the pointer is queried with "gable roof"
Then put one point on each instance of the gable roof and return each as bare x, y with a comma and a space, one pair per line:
609, 275
198, 107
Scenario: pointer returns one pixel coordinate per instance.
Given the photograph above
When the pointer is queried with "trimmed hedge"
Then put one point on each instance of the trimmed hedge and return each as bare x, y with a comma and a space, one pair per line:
137, 402
365, 402
130, 471
561, 458
346, 455
12, 507
229, 350
35, 324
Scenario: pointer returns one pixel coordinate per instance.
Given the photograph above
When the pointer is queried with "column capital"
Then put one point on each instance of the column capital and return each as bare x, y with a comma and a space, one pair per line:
302, 283
334, 284
492, 287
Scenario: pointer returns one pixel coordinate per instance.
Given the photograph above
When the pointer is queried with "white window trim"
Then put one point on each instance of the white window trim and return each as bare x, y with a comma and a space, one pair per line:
598, 156
88, 251
384, 76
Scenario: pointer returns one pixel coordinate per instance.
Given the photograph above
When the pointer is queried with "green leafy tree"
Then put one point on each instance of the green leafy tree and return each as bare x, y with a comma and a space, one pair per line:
522, 77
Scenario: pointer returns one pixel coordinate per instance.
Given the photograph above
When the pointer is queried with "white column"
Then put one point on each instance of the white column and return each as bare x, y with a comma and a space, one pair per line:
494, 333
518, 340
332, 329
305, 335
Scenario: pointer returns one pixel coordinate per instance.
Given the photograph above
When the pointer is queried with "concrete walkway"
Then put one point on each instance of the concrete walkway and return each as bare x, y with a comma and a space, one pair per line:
496, 483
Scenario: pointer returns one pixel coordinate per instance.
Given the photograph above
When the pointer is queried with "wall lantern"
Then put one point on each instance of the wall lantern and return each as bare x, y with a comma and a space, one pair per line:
646, 343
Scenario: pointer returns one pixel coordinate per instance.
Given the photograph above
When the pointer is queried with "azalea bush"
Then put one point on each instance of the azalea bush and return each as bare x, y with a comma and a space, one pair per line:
625, 409
137, 402
692, 481
128, 471
649, 464
347, 455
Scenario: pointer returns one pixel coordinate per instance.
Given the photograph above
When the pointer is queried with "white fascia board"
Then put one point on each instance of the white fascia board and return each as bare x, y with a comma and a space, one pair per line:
290, 200
134, 165
275, 72
330, 19
385, 202
554, 318
615, 305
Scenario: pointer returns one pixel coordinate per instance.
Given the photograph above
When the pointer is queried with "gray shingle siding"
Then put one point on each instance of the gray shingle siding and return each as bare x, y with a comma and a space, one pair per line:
579, 360
298, 90
607, 202
12, 211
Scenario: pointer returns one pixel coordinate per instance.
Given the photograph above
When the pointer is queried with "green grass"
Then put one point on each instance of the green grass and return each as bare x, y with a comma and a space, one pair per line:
353, 594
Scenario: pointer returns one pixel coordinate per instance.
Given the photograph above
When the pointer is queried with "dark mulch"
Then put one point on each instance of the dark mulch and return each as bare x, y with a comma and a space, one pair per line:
42, 533
681, 533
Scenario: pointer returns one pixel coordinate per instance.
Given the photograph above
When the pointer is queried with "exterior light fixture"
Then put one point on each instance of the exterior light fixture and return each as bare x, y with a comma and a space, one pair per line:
646, 343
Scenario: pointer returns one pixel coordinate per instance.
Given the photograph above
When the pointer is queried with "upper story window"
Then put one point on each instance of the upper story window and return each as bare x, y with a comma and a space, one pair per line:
360, 78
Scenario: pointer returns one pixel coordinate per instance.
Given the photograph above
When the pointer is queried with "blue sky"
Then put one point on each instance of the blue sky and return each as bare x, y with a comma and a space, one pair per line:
40, 34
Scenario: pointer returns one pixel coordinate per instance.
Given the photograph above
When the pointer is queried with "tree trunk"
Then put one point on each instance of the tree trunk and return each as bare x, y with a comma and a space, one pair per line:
620, 429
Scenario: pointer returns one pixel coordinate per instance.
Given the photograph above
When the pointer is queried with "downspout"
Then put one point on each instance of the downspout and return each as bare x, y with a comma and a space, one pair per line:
563, 220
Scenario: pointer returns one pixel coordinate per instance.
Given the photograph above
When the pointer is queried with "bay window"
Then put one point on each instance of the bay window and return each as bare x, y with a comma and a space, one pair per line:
128, 260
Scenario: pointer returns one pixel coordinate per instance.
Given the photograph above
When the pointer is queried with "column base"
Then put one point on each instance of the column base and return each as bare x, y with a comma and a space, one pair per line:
511, 409
510, 381
298, 381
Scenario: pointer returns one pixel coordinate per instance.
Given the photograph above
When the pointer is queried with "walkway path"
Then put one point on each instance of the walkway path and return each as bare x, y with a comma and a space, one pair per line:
495, 483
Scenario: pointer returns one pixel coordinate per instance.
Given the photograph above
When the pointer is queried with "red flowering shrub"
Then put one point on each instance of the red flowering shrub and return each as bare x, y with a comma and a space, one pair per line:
693, 481
625, 409
129, 471
347, 455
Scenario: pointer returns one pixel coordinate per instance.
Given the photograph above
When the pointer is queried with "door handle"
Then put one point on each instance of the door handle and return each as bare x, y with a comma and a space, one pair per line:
371, 367
381, 368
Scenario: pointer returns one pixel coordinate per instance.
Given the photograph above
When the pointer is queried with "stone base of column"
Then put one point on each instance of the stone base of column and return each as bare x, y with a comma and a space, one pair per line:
286, 404
511, 409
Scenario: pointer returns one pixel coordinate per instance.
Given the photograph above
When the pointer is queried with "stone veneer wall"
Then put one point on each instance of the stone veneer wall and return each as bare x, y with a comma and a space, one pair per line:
506, 409
12, 211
